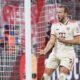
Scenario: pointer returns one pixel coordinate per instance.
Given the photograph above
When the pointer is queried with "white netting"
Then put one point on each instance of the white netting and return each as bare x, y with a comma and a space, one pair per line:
39, 29
12, 40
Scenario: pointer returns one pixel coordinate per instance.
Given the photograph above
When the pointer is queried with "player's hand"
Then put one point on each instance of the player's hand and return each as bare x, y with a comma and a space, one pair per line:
61, 39
42, 52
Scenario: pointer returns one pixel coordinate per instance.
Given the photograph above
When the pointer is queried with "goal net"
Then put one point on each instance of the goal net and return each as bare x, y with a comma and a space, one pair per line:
12, 40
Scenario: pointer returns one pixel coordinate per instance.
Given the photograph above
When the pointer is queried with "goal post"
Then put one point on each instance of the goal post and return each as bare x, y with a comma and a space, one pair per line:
28, 71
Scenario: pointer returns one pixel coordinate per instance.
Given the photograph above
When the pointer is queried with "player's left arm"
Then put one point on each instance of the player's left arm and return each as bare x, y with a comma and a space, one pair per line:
74, 41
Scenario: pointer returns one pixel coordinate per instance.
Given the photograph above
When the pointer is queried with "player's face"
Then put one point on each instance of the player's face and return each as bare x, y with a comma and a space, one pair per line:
61, 14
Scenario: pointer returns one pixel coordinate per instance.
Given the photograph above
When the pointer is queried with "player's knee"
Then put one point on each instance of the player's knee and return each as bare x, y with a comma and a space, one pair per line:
64, 70
63, 73
49, 71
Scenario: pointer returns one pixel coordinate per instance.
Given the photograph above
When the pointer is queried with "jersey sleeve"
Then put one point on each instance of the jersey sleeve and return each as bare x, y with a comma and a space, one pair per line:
76, 30
53, 30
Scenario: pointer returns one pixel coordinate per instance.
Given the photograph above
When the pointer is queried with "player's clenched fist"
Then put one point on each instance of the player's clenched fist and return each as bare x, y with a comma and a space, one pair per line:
42, 52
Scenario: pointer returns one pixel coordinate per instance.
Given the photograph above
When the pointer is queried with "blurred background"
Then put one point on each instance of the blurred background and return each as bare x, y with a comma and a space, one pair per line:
12, 40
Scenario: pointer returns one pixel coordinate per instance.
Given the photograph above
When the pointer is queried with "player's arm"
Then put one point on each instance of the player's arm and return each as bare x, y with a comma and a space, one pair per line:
49, 45
74, 41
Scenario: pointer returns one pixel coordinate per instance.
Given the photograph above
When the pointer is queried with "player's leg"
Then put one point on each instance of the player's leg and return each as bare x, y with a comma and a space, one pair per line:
65, 67
47, 74
63, 73
51, 64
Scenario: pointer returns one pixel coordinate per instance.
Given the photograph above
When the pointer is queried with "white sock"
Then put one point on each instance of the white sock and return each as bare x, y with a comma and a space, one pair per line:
62, 76
45, 77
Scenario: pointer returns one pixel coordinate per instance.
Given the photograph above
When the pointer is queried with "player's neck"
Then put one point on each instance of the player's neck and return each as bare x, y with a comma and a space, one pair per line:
65, 20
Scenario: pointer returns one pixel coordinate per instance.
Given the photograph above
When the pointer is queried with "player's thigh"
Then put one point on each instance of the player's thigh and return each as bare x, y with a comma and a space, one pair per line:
67, 63
52, 62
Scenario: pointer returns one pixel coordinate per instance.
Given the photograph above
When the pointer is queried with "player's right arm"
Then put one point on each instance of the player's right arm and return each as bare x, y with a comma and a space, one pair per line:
49, 45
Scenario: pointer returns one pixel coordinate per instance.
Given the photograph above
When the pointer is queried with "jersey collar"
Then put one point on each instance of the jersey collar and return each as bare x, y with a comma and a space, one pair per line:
65, 22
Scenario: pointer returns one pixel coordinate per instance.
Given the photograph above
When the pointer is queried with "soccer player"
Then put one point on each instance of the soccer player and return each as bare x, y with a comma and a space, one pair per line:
64, 35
